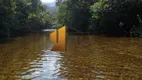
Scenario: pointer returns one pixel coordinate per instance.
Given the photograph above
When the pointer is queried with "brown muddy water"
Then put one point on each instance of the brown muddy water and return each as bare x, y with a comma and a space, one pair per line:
86, 58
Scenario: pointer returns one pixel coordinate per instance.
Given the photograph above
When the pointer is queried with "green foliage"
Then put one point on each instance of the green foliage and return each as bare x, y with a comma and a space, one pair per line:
22, 16
108, 17
75, 14
116, 17
98, 8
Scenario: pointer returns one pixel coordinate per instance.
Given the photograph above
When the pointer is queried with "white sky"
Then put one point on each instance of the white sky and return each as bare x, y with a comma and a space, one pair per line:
48, 1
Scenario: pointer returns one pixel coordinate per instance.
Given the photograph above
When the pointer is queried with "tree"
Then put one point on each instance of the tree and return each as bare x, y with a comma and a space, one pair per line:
75, 14
117, 17
22, 16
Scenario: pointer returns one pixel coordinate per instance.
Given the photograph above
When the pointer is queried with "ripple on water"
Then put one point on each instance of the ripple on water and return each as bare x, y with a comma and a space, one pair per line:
102, 59
48, 67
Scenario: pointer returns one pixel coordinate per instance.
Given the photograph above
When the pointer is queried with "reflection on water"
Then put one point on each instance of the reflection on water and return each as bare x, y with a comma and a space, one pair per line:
28, 58
86, 58
46, 68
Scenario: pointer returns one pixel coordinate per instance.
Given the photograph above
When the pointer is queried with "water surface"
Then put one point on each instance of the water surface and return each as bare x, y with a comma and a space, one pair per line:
86, 58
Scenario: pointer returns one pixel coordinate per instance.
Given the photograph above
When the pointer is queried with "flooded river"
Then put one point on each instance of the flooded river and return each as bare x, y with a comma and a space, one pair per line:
86, 58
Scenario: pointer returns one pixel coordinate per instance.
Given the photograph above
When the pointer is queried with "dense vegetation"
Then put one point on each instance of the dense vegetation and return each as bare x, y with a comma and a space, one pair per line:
107, 17
22, 16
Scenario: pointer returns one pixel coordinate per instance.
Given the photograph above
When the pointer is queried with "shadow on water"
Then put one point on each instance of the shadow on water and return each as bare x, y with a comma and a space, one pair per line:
4, 41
